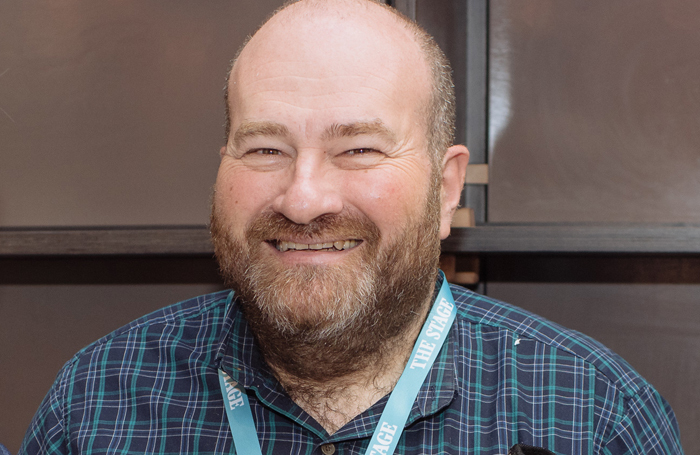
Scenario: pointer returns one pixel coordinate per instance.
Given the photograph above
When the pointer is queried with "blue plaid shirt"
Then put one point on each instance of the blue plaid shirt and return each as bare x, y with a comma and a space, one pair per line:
505, 376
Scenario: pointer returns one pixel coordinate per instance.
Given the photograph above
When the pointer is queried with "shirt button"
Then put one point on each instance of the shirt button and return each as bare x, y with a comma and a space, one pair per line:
328, 449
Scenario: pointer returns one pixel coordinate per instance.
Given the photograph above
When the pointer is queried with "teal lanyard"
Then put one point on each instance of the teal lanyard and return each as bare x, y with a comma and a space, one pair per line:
393, 419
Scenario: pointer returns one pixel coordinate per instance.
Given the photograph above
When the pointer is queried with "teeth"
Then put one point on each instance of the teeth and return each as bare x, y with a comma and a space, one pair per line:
338, 245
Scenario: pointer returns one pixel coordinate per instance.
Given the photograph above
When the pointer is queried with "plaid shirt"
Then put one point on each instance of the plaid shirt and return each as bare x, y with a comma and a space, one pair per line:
504, 376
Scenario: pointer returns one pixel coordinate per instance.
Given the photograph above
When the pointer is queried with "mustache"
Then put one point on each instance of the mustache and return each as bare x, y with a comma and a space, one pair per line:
275, 226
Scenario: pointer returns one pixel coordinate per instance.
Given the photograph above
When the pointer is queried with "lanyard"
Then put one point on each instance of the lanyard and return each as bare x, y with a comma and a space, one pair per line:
393, 419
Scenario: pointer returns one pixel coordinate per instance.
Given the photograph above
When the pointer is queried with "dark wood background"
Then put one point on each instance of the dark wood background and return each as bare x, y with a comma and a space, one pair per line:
111, 118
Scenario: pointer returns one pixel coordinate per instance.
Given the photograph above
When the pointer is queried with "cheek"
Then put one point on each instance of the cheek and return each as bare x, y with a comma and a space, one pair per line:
241, 194
387, 200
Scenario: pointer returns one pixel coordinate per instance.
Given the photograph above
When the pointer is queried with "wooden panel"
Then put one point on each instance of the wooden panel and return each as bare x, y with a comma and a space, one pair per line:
477, 174
97, 241
575, 239
476, 93
89, 270
111, 112
595, 239
593, 111
586, 268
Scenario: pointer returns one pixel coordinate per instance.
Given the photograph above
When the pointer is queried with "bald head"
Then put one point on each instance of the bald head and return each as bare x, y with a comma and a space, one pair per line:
350, 38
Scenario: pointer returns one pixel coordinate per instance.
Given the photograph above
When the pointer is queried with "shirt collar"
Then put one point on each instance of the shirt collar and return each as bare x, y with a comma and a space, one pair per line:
238, 354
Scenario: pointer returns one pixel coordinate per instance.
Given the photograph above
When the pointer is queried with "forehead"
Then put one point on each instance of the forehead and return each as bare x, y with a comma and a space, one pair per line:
318, 58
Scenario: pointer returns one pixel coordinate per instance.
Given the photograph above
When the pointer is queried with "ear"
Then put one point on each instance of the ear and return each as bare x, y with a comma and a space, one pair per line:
454, 170
222, 151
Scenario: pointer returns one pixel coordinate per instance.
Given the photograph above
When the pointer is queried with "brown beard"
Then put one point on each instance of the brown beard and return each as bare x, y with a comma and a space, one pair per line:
324, 322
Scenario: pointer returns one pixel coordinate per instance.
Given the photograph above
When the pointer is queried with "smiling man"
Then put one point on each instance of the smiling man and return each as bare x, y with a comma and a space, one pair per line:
329, 200
336, 184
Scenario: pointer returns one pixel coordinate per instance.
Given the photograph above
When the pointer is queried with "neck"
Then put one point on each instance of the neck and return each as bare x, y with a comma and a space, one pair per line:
335, 401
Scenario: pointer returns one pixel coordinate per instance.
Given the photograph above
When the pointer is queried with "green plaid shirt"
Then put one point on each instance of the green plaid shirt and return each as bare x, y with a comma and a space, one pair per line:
505, 376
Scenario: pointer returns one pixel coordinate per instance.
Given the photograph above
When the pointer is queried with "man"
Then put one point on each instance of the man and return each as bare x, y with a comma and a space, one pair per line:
336, 184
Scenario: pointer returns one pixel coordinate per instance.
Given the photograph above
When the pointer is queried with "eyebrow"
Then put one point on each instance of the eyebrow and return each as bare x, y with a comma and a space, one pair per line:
376, 127
249, 130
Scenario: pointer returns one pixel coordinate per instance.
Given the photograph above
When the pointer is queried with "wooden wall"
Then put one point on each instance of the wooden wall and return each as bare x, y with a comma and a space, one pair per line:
111, 115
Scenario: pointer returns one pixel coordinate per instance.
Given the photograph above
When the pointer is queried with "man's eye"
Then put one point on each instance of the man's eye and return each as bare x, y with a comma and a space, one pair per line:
359, 158
364, 151
265, 152
265, 159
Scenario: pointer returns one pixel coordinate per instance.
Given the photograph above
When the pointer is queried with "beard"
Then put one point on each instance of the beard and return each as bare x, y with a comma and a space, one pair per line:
320, 322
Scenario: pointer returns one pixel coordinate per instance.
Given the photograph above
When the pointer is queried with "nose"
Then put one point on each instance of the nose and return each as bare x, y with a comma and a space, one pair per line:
309, 190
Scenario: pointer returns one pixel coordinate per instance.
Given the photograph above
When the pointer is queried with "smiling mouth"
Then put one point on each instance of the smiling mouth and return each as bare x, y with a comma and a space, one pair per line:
338, 245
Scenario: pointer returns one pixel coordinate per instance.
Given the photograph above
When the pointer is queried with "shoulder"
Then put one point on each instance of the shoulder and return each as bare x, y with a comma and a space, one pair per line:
518, 324
550, 373
204, 311
135, 360
188, 329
